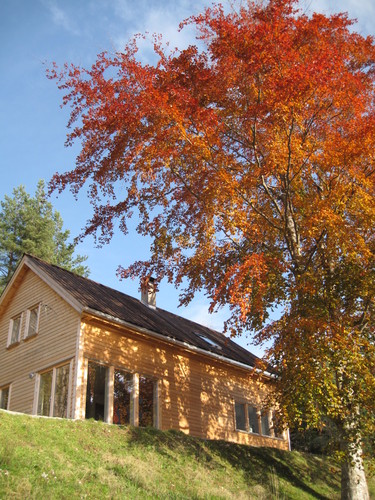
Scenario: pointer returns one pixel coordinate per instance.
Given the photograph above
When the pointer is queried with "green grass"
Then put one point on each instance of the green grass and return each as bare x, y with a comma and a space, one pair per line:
62, 459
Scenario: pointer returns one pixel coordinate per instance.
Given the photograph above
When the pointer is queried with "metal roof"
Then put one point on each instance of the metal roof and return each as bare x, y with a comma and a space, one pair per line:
104, 300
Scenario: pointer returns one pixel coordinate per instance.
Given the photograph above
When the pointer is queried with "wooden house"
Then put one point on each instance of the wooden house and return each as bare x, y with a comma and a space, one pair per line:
73, 348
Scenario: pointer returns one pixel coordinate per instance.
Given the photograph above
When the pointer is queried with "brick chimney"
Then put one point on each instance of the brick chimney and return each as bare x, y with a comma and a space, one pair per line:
148, 292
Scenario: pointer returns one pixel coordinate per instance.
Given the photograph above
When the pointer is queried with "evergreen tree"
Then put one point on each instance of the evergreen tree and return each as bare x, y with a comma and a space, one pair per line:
31, 225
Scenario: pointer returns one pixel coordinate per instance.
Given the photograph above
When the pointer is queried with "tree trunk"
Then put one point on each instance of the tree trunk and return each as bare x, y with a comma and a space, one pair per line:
353, 477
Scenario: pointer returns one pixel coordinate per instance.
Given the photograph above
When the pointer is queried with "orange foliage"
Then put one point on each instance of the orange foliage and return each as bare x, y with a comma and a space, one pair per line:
250, 163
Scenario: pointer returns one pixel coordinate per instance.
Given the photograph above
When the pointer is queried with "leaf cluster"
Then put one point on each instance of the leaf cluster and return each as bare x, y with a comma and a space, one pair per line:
249, 163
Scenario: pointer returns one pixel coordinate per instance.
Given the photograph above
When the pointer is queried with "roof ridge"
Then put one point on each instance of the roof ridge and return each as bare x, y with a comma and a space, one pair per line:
60, 268
83, 278
95, 296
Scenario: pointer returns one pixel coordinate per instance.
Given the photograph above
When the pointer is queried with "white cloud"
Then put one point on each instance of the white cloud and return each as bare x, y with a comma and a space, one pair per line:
198, 312
164, 17
60, 17
157, 17
363, 11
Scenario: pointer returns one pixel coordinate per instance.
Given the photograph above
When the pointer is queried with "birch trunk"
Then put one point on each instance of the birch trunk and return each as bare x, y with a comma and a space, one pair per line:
353, 477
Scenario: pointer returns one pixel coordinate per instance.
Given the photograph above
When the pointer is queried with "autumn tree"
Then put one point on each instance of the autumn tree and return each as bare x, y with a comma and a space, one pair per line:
249, 160
31, 225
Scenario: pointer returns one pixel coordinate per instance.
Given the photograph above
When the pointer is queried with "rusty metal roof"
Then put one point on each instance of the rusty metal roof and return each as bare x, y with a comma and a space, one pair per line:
106, 300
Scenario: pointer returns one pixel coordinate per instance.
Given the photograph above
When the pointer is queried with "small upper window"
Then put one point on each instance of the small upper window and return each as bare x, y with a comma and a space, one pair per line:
32, 322
4, 398
15, 330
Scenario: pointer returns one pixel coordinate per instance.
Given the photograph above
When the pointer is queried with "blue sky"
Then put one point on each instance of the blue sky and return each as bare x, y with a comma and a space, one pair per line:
33, 33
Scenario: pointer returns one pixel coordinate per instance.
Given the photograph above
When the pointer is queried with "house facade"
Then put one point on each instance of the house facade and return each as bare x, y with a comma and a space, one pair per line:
72, 348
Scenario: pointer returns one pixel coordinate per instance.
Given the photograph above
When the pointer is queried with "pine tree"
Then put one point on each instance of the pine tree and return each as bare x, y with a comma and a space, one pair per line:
31, 225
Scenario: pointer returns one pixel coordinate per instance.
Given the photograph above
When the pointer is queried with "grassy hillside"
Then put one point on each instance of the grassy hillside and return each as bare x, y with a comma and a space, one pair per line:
48, 458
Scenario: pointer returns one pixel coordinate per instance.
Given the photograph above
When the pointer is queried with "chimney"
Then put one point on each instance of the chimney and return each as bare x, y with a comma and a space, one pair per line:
148, 292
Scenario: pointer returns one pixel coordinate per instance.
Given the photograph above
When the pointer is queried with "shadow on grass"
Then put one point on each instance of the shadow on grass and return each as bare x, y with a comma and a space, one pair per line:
255, 463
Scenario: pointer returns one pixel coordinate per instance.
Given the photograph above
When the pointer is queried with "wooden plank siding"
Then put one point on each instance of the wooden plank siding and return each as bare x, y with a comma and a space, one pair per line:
55, 342
197, 393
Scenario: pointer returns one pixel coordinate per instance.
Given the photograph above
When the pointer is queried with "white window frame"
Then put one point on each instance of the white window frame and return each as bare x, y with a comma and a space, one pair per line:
134, 396
3, 388
27, 325
10, 332
53, 389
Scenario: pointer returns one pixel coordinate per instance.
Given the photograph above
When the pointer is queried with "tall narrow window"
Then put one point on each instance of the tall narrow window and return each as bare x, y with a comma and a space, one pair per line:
240, 417
277, 428
15, 330
266, 431
253, 419
53, 392
4, 398
45, 393
146, 402
60, 403
32, 323
122, 390
96, 391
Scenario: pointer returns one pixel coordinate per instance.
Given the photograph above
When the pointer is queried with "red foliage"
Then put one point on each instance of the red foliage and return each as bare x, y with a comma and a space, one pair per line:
250, 164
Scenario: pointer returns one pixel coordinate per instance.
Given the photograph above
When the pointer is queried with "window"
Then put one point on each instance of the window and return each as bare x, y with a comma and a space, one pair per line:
4, 398
32, 321
209, 341
30, 328
146, 402
60, 401
53, 392
265, 423
45, 393
249, 419
122, 391
96, 391
240, 410
253, 419
15, 330
134, 399
277, 428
